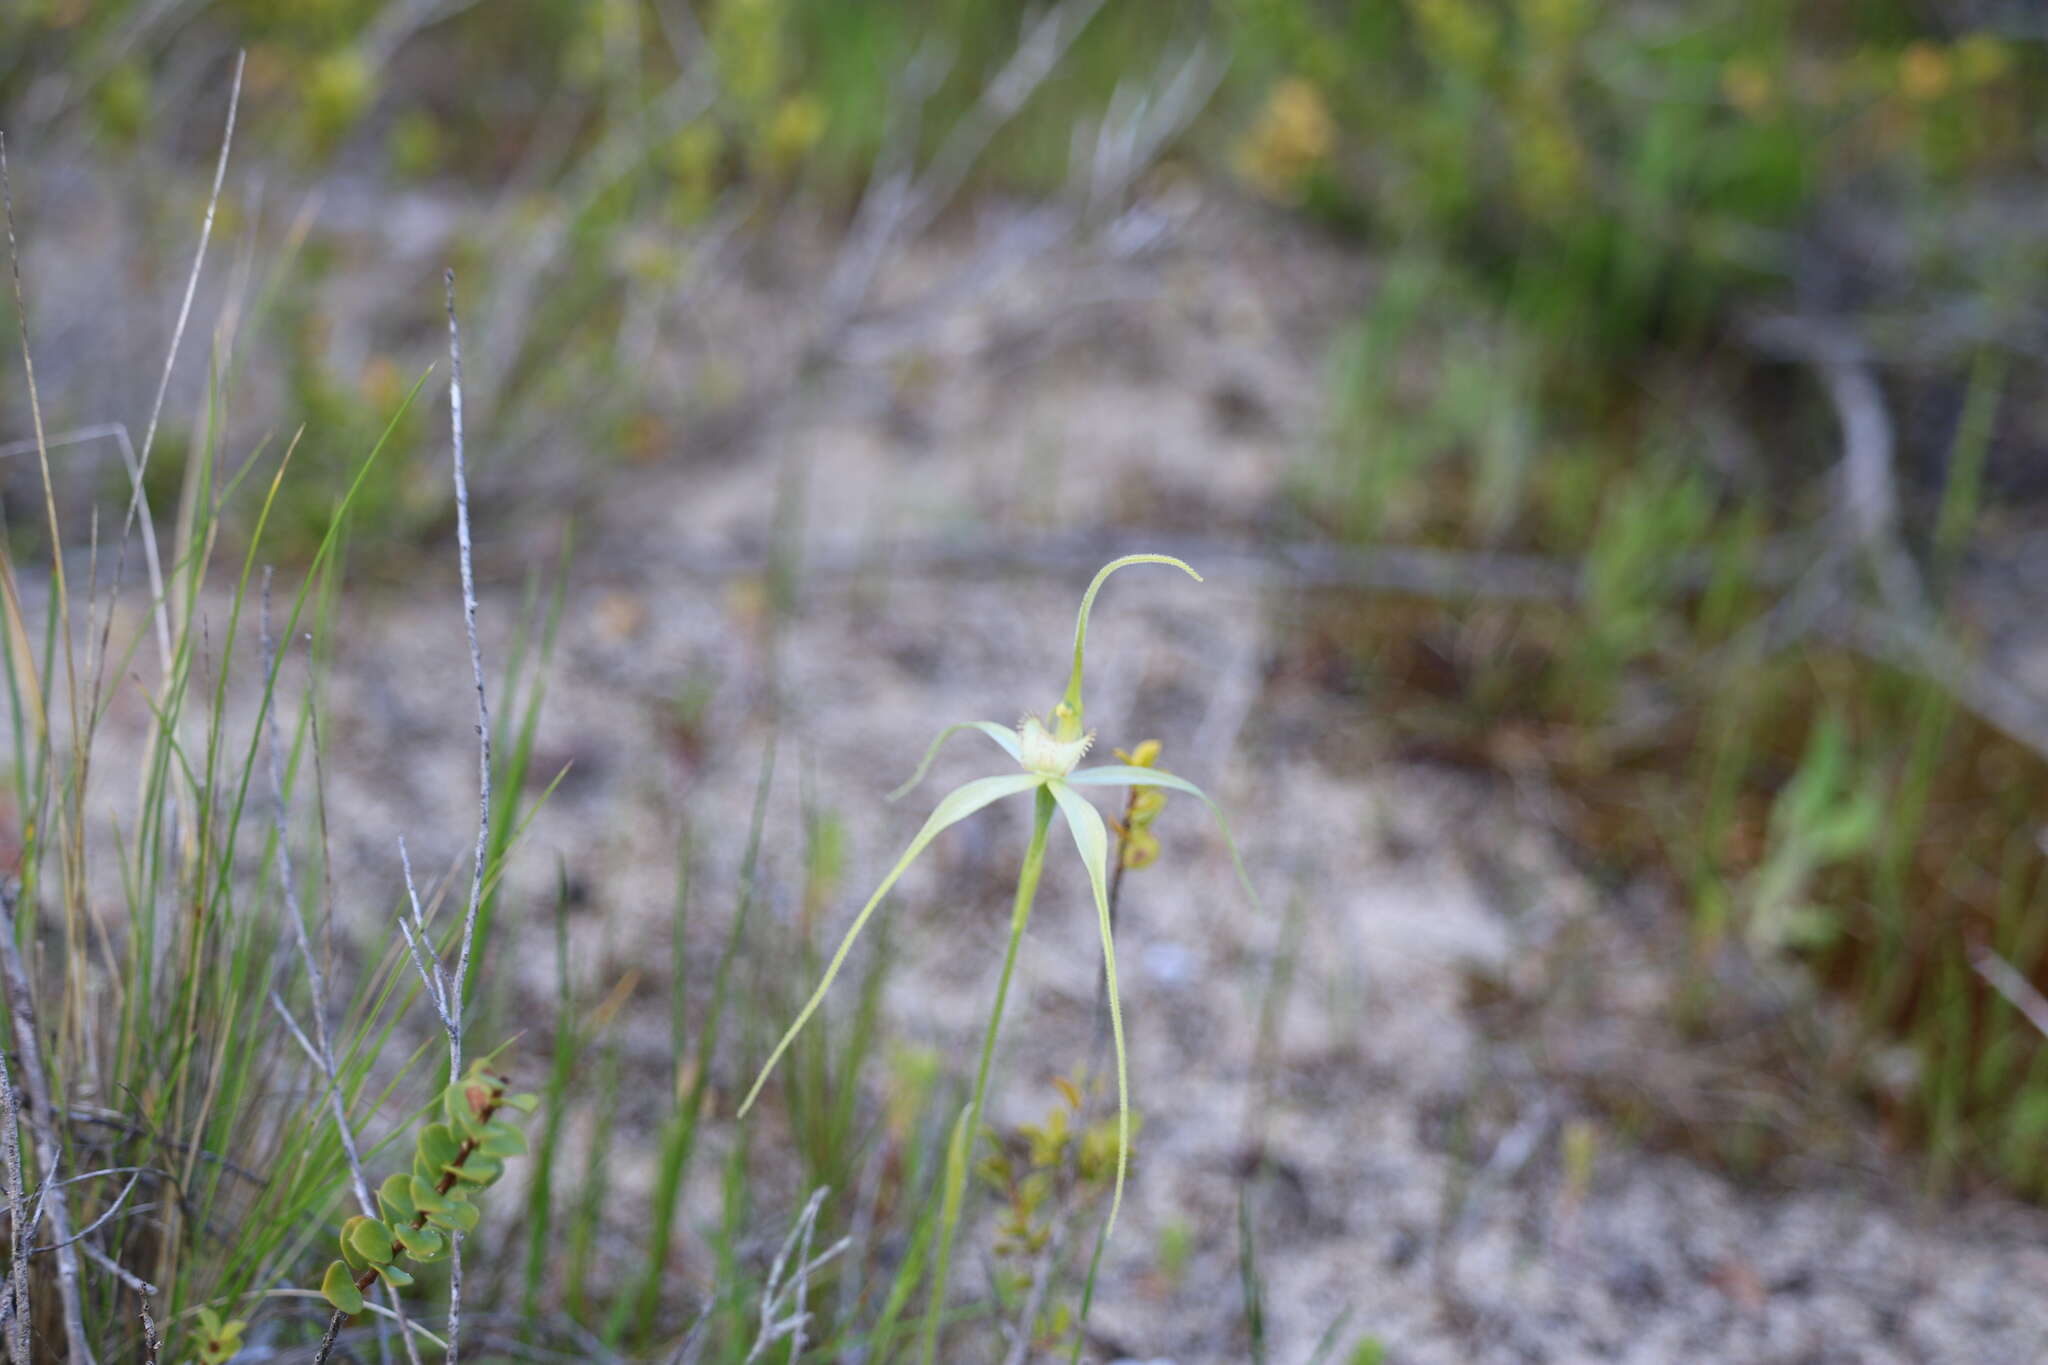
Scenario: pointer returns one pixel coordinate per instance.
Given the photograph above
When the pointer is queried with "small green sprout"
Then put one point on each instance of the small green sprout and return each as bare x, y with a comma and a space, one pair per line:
1049, 750
424, 1209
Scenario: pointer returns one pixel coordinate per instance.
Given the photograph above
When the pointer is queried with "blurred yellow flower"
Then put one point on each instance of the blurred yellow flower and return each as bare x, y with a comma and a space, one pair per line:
1748, 86
795, 128
1292, 136
1925, 72
1982, 58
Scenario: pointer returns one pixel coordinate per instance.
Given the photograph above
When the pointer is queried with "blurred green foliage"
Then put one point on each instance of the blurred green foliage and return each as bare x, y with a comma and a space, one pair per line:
1569, 202
1615, 174
1575, 206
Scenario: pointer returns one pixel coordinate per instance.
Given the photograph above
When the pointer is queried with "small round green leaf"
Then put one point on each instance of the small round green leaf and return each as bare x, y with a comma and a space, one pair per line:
479, 1170
394, 1276
426, 1196
370, 1239
458, 1216
422, 1244
500, 1140
348, 1246
395, 1197
339, 1289
438, 1144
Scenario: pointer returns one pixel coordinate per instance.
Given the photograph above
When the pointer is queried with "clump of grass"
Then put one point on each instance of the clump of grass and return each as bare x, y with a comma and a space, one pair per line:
185, 1166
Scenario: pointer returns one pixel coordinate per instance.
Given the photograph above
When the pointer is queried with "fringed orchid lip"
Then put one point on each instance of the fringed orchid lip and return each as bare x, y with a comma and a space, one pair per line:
1040, 751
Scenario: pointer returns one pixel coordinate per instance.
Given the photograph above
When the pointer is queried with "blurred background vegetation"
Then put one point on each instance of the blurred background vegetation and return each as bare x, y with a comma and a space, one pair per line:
1636, 270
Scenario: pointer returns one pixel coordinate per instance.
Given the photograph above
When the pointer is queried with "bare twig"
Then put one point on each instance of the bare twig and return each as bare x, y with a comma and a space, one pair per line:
1869, 515
1141, 121
460, 984
1920, 646
798, 1317
42, 1121
107, 1119
446, 991
476, 667
691, 1347
798, 1245
17, 1203
334, 1325
152, 1345
320, 1047
1417, 570
1038, 54
424, 957
134, 1174
2006, 979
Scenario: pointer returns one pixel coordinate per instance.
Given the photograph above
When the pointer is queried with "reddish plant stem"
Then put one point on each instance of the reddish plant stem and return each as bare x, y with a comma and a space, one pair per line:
446, 1183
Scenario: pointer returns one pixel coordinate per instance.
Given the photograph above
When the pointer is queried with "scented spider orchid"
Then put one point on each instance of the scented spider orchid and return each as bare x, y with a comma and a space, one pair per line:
1049, 751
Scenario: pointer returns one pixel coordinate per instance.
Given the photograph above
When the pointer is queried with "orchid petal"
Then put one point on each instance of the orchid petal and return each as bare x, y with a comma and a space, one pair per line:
954, 807
1126, 775
1072, 701
1092, 841
1003, 735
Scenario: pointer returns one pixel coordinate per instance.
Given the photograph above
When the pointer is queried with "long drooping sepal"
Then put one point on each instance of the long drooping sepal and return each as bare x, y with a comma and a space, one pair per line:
1028, 874
954, 807
1069, 713
1003, 735
1125, 775
1092, 841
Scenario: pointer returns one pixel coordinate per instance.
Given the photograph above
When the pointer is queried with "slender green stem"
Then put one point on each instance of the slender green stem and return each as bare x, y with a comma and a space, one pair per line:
1020, 913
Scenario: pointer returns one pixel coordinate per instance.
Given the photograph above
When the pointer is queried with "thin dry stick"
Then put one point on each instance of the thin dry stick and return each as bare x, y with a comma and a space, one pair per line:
152, 1344
476, 667
772, 1293
444, 992
1921, 647
803, 1278
1037, 55
423, 957
49, 1150
483, 775
2008, 981
320, 1047
17, 1204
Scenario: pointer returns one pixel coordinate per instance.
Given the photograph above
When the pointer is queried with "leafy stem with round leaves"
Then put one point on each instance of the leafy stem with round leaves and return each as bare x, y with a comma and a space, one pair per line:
454, 1158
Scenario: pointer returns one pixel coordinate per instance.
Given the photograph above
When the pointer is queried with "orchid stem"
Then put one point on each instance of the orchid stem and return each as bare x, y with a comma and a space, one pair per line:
1020, 913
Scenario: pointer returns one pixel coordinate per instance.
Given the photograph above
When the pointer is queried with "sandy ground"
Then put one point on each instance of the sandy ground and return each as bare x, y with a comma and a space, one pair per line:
1431, 1180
